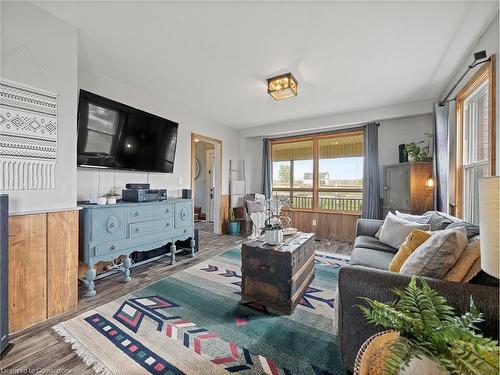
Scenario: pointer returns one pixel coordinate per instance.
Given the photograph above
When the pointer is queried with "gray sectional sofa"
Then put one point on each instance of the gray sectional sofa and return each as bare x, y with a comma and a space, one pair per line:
367, 276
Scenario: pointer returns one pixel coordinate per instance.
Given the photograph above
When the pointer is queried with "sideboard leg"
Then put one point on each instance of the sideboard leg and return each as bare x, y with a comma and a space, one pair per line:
90, 281
172, 253
192, 244
126, 264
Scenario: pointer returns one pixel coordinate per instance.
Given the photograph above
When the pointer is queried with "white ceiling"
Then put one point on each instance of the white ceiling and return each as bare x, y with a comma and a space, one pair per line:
214, 57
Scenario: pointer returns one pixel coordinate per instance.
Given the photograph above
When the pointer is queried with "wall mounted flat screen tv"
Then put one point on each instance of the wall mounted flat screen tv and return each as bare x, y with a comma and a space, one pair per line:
115, 135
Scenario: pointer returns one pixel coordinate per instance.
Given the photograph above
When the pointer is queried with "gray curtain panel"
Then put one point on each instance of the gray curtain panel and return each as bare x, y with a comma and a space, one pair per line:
371, 174
440, 157
266, 168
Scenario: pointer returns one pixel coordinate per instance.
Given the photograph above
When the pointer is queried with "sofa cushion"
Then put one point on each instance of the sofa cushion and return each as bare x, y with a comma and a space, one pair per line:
368, 242
440, 220
472, 229
421, 219
371, 258
413, 241
468, 264
395, 230
435, 257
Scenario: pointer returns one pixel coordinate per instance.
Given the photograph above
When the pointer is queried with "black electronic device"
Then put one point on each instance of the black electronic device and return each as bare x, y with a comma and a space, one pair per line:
186, 193
144, 195
115, 135
137, 185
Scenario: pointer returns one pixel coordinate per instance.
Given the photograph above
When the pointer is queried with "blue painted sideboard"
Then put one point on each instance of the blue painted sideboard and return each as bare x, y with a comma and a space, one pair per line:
110, 231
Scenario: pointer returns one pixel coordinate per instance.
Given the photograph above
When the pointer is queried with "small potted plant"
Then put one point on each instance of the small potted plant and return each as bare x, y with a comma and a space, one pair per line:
111, 196
233, 226
425, 337
414, 152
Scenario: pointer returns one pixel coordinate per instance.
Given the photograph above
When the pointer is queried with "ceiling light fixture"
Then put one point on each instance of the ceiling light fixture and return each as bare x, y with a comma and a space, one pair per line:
283, 86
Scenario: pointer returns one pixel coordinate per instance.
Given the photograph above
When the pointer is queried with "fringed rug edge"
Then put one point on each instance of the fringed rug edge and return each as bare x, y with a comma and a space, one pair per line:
81, 351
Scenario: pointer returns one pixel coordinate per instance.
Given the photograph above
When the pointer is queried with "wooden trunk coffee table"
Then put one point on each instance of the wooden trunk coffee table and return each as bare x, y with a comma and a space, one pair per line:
278, 276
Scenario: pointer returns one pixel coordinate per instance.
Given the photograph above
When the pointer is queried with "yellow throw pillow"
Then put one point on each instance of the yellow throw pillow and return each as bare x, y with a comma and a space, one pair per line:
464, 264
416, 238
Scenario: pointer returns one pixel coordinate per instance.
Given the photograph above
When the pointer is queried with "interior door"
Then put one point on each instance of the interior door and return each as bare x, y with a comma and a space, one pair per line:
210, 178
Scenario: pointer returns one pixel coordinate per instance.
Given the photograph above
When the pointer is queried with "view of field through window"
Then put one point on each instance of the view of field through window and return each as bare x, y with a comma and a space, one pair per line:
339, 181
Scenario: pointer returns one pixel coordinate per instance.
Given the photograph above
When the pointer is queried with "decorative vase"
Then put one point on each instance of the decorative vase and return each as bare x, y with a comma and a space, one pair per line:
233, 228
411, 158
101, 201
111, 200
274, 236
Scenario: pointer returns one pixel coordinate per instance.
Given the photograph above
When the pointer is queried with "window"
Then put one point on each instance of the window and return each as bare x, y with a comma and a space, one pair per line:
475, 136
101, 129
321, 172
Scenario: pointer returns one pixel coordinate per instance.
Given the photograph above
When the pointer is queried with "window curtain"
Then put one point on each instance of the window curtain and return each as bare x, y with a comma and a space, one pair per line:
440, 157
371, 174
266, 168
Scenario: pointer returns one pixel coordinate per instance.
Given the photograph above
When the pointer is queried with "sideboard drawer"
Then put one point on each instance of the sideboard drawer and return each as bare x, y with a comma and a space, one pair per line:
153, 226
183, 214
110, 224
153, 211
183, 232
106, 248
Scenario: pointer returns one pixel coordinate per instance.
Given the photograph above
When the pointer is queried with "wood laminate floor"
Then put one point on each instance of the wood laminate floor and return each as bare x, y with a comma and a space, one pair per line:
38, 349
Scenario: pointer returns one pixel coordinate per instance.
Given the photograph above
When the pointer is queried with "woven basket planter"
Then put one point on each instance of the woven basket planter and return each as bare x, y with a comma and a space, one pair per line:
372, 354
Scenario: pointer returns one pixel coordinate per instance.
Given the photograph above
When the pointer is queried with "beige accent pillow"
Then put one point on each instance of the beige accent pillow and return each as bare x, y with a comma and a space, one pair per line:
395, 230
416, 238
464, 264
474, 270
435, 257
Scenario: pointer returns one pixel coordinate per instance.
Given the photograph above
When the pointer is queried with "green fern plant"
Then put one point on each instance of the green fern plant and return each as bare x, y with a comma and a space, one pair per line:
428, 326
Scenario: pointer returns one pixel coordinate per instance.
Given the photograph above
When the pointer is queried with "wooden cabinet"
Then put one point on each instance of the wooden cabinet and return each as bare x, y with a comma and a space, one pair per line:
405, 188
43, 267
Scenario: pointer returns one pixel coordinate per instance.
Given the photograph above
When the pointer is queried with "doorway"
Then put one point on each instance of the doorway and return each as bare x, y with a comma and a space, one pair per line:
206, 180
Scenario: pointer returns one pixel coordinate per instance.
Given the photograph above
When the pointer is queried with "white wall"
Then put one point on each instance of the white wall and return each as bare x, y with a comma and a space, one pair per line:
488, 41
392, 132
92, 183
50, 64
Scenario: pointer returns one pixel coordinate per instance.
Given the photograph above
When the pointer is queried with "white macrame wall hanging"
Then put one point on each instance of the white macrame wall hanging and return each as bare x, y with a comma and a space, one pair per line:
28, 137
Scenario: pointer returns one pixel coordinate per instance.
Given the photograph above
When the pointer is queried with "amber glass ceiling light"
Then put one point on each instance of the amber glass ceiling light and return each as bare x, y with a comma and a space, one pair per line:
282, 87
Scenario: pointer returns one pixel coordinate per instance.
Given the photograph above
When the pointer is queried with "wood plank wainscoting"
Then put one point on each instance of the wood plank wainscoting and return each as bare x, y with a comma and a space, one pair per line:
339, 226
43, 266
225, 212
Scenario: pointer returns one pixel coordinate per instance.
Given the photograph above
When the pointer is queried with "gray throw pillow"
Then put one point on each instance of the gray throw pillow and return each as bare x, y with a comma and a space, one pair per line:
435, 257
472, 229
253, 207
395, 230
421, 219
439, 220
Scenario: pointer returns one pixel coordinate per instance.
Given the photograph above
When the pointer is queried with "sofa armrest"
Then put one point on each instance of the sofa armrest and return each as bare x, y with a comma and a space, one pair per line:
357, 281
368, 227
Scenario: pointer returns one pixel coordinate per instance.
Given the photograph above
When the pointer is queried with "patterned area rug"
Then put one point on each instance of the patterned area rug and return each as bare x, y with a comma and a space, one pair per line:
193, 322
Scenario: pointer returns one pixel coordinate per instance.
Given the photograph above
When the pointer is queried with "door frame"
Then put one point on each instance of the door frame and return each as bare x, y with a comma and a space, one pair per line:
218, 215
208, 178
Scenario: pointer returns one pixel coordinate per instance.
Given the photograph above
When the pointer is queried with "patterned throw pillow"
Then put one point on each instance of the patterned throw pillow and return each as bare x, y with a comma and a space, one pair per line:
253, 207
413, 241
435, 257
